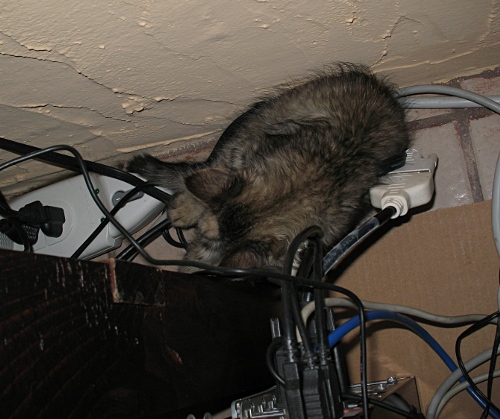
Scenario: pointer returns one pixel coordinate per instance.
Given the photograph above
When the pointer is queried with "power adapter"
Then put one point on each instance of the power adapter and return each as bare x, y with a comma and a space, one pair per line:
412, 185
82, 216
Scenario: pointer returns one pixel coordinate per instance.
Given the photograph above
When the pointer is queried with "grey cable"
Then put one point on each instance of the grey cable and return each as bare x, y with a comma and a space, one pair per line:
445, 90
452, 378
443, 102
461, 387
410, 311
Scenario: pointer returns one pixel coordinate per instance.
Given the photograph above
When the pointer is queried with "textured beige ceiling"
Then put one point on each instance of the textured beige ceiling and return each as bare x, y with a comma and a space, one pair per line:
115, 77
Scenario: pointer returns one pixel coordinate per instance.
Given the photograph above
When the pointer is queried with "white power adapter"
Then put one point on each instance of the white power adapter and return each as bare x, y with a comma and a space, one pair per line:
83, 216
407, 187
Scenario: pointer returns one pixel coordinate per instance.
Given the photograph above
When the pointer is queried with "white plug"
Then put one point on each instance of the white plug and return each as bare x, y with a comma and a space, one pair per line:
407, 187
83, 216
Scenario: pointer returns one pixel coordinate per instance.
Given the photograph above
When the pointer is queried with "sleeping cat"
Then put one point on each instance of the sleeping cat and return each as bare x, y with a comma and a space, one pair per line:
305, 155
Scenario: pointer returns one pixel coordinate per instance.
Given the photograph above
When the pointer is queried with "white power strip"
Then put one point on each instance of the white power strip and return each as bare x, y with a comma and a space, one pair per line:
83, 216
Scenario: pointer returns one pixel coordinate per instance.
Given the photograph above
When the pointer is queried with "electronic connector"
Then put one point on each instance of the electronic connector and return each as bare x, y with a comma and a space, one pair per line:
407, 187
411, 185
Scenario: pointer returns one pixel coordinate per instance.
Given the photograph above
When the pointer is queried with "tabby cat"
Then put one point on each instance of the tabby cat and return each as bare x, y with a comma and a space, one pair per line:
305, 155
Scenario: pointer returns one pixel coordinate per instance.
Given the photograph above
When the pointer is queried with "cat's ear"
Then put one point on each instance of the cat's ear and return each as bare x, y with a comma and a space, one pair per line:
213, 185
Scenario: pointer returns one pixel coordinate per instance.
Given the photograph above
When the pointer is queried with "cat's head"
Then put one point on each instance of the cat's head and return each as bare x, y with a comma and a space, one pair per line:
239, 225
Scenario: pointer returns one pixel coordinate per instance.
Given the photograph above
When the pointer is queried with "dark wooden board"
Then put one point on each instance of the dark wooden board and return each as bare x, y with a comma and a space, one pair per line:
117, 339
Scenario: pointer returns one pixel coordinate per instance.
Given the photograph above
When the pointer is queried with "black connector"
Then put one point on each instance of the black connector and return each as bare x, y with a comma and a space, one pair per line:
330, 391
308, 378
314, 403
293, 390
23, 226
49, 219
19, 233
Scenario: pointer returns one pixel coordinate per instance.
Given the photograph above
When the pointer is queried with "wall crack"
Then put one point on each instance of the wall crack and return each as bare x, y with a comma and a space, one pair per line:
46, 105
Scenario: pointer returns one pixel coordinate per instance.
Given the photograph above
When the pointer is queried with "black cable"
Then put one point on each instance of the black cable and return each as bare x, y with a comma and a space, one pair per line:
473, 329
306, 262
123, 201
10, 223
330, 388
23, 234
170, 240
337, 253
354, 238
271, 349
130, 252
313, 233
295, 245
304, 270
384, 405
11, 220
288, 322
308, 350
288, 296
319, 300
5, 209
293, 300
180, 236
491, 370
73, 163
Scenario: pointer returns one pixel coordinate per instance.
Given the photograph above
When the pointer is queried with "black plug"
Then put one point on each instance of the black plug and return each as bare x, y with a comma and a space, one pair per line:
292, 375
19, 233
311, 390
292, 366
49, 219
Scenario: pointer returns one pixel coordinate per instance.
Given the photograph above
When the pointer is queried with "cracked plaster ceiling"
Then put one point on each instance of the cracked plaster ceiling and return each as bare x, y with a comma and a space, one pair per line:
118, 77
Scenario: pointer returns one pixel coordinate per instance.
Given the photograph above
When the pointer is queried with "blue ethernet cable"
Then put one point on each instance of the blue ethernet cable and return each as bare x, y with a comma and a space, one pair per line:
345, 328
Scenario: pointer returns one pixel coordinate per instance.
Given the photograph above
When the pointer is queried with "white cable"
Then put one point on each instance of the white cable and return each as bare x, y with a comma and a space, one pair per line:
453, 377
458, 98
410, 311
445, 90
442, 102
461, 387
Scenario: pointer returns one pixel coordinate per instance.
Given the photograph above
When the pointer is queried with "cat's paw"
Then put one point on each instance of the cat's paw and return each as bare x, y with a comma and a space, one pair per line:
208, 226
185, 210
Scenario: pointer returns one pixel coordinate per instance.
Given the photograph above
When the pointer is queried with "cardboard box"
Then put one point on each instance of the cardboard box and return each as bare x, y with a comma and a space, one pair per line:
443, 262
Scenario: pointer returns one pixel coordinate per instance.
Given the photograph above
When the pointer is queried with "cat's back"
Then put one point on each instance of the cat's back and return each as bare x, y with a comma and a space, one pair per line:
345, 107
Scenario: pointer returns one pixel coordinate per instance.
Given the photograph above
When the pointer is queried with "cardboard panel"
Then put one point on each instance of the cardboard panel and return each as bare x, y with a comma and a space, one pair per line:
444, 262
